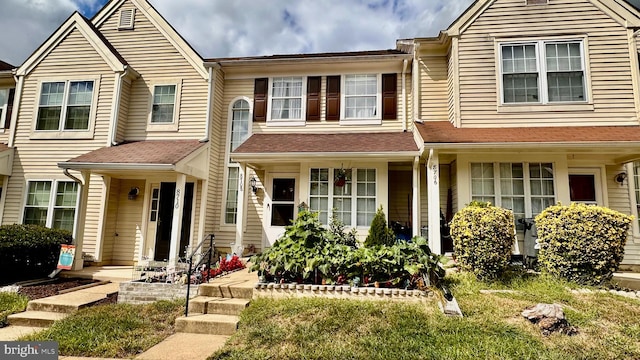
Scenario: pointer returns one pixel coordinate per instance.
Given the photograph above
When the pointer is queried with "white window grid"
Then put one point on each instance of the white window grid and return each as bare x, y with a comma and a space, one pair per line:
240, 123
4, 102
361, 93
163, 106
53, 199
286, 98
231, 198
65, 105
549, 71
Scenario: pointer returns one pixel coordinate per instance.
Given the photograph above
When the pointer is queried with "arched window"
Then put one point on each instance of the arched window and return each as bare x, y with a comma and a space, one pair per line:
239, 123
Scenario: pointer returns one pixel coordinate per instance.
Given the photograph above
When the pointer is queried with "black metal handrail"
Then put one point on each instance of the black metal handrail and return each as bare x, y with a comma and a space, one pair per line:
207, 255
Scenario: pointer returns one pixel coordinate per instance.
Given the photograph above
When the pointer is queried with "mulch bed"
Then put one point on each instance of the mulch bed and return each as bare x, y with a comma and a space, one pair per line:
50, 289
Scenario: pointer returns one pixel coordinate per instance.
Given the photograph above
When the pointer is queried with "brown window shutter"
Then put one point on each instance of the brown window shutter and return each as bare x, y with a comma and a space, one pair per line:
313, 98
260, 91
389, 97
7, 121
333, 97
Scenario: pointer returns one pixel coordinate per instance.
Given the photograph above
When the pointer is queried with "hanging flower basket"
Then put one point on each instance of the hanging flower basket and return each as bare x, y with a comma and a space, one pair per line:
340, 178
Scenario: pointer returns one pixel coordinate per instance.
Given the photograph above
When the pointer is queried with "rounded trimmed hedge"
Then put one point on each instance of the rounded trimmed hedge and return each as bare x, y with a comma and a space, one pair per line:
29, 251
581, 243
483, 236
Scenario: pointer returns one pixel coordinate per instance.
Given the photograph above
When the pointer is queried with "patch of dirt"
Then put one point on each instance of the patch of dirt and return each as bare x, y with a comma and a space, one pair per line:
53, 288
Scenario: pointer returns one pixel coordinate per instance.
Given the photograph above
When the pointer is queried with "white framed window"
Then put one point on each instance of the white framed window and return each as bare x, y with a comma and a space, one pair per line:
6, 103
353, 209
524, 188
361, 98
239, 131
164, 105
65, 106
286, 100
51, 203
634, 186
543, 72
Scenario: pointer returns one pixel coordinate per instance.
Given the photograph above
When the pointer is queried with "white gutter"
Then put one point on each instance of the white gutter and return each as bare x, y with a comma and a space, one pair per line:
321, 59
298, 156
405, 62
210, 93
16, 109
502, 145
113, 131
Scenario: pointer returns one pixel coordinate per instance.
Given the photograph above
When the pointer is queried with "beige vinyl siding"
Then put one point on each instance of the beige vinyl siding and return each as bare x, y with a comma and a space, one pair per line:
123, 111
157, 61
129, 225
111, 221
445, 184
217, 139
424, 201
38, 159
434, 87
451, 87
400, 199
255, 213
619, 200
606, 49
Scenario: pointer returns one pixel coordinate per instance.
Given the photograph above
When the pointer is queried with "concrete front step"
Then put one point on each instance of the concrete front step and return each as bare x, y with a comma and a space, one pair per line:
35, 318
213, 324
216, 305
225, 291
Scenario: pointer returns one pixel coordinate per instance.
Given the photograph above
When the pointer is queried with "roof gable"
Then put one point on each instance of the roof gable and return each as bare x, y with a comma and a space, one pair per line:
75, 22
620, 11
161, 24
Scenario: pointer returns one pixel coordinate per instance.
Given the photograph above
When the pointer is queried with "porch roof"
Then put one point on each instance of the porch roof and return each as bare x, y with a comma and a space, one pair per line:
443, 132
326, 144
138, 155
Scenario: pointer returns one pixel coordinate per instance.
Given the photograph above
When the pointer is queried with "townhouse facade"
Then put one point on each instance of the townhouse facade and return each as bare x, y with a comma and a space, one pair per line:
116, 129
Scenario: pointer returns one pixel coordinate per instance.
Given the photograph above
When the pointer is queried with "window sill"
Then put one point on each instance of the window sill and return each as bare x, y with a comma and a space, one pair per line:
351, 122
64, 135
286, 123
523, 108
162, 127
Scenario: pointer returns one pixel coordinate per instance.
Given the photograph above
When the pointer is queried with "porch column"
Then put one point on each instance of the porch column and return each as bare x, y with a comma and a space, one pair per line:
415, 214
241, 202
433, 194
176, 224
78, 238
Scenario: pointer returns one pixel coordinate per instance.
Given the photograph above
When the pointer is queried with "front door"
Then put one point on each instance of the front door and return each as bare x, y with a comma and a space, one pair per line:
280, 207
584, 186
164, 219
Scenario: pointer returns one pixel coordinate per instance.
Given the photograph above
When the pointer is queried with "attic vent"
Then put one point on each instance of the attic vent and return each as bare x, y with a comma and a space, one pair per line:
126, 19
536, 2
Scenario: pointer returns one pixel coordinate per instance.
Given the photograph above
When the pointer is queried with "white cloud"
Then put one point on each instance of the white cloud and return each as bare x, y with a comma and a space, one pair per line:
220, 28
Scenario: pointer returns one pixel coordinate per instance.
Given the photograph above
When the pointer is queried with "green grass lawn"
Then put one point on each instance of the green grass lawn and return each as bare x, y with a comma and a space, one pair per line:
11, 303
119, 330
491, 329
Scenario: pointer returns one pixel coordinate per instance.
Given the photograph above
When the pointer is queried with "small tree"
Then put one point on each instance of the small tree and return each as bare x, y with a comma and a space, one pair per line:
379, 232
338, 235
483, 236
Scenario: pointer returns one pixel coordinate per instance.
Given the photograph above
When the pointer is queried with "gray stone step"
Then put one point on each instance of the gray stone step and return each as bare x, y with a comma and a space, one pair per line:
35, 318
213, 324
225, 291
66, 303
217, 305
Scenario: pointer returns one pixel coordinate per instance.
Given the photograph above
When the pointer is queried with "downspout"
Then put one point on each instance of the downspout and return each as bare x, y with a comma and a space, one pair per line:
16, 109
116, 109
415, 84
66, 172
405, 63
211, 91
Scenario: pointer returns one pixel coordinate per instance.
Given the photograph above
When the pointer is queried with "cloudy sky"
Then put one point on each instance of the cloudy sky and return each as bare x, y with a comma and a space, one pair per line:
221, 28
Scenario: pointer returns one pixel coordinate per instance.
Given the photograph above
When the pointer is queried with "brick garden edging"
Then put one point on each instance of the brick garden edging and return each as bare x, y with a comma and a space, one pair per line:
341, 291
135, 292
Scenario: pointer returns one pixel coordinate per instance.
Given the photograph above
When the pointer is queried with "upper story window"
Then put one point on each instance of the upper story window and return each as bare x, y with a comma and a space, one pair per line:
239, 123
543, 72
164, 100
65, 105
286, 98
361, 96
6, 106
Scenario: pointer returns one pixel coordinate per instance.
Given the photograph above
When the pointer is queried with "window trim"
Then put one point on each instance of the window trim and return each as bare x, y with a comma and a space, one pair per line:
303, 105
229, 163
354, 196
544, 105
4, 108
633, 202
52, 198
172, 126
62, 133
375, 120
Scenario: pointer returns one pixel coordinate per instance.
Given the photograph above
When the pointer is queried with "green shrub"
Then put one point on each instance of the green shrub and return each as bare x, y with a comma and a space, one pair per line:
29, 251
11, 303
338, 234
379, 232
581, 243
483, 236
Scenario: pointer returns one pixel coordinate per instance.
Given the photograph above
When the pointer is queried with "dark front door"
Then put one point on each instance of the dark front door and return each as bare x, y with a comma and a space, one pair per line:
165, 220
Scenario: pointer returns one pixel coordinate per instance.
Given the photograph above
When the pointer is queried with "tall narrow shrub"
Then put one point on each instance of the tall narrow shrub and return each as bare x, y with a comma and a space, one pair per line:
379, 232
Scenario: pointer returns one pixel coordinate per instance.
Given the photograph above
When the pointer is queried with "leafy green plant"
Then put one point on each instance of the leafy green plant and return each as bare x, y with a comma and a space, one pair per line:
379, 232
483, 236
581, 243
338, 235
11, 303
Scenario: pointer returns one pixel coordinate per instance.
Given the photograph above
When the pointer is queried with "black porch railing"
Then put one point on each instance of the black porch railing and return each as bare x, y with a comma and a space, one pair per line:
204, 259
